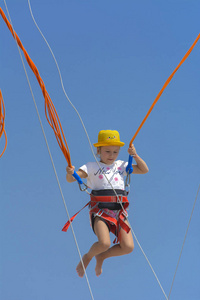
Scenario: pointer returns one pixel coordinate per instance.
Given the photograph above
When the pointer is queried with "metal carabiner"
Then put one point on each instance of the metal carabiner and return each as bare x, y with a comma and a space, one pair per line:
127, 183
83, 189
80, 182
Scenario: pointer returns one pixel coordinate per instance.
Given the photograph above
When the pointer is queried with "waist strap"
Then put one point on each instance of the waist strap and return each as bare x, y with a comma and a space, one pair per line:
110, 202
109, 192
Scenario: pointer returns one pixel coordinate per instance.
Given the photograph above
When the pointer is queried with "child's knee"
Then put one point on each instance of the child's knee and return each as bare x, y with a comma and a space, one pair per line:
105, 244
127, 247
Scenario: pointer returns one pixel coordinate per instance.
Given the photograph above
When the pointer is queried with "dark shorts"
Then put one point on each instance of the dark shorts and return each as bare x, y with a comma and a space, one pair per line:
92, 222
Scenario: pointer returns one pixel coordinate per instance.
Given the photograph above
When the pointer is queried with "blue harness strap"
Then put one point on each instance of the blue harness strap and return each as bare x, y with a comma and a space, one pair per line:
129, 168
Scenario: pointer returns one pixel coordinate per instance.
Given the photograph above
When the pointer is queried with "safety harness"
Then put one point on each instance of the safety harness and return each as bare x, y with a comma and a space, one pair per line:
109, 205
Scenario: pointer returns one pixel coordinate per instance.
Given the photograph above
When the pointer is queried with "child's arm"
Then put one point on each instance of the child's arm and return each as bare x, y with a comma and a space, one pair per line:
70, 172
141, 167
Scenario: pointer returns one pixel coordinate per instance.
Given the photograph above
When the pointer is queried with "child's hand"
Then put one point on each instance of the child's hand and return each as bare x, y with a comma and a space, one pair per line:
132, 150
70, 171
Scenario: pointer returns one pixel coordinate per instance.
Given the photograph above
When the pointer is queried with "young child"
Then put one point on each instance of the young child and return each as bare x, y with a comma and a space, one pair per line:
108, 215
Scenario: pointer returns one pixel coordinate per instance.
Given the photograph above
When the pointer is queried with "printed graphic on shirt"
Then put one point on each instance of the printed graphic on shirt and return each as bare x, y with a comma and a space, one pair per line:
107, 170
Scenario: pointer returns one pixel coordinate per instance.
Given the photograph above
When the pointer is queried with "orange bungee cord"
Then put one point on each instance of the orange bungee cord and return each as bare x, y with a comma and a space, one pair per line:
164, 87
2, 122
50, 111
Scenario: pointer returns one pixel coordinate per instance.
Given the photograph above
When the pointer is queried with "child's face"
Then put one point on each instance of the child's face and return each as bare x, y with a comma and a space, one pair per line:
108, 154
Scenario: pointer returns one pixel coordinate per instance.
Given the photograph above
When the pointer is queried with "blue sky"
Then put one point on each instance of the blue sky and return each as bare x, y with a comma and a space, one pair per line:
114, 57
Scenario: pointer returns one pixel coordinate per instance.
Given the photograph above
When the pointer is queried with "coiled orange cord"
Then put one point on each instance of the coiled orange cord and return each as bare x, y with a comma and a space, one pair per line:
50, 111
2, 122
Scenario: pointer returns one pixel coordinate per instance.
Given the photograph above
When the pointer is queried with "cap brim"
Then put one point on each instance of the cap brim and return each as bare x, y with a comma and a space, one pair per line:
100, 144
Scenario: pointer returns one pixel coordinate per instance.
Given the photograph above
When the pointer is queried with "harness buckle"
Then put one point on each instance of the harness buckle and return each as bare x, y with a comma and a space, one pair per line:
99, 213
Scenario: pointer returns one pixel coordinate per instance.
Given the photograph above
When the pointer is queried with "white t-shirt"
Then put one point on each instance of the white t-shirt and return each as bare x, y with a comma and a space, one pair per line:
115, 173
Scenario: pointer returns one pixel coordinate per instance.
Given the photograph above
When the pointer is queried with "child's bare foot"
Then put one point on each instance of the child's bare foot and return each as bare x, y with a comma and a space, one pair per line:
99, 263
79, 268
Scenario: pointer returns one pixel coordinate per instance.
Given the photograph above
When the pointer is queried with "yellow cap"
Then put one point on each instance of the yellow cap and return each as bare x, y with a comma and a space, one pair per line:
109, 138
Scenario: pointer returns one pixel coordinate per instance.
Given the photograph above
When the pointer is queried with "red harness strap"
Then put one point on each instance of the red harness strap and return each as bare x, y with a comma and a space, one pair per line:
65, 228
114, 223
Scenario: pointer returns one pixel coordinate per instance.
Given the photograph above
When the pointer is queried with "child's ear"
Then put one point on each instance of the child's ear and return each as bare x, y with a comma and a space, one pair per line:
98, 150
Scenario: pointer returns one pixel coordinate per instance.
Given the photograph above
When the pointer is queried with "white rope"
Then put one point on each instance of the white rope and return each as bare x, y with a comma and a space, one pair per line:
184, 241
91, 145
64, 202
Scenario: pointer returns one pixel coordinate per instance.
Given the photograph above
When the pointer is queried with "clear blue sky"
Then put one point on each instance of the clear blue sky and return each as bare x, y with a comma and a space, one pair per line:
114, 57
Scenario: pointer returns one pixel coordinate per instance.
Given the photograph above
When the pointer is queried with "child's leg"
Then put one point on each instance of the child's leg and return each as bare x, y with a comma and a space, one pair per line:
125, 246
103, 235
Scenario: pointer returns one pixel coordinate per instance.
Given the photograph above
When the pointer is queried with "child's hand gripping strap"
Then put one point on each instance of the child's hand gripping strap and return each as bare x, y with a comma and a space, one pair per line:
80, 182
